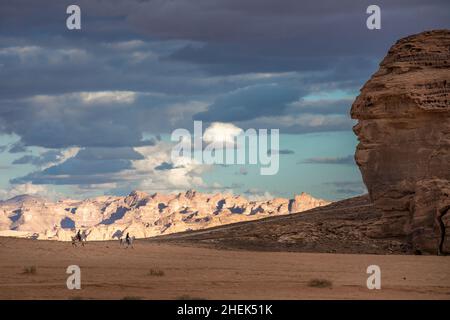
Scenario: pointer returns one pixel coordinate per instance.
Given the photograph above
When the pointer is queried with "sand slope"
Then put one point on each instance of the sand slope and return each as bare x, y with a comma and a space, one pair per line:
341, 227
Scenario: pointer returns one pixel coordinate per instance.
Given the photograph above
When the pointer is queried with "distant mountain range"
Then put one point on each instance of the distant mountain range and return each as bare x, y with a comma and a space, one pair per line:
141, 214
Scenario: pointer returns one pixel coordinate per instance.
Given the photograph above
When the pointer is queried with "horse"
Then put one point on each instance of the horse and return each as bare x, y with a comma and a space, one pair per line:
81, 239
128, 242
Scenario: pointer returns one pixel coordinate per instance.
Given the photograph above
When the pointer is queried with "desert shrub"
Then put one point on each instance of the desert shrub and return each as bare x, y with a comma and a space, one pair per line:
188, 297
29, 270
320, 283
155, 273
131, 298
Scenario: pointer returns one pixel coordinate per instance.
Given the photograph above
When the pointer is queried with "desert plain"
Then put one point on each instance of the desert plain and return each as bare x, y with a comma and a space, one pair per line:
175, 271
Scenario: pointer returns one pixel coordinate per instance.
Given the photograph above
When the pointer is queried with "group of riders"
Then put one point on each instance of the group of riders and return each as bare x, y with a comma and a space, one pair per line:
81, 237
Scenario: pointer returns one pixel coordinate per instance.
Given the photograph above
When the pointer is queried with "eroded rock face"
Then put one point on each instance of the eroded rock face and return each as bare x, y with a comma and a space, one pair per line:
140, 214
403, 127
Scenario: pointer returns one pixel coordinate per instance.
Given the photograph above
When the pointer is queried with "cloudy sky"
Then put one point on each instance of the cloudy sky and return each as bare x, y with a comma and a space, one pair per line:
89, 112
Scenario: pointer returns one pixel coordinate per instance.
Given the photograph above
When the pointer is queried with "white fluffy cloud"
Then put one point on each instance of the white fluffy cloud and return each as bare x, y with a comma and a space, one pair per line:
185, 173
222, 134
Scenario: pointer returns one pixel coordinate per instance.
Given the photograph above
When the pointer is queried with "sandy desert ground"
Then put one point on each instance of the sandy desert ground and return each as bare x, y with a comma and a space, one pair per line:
111, 272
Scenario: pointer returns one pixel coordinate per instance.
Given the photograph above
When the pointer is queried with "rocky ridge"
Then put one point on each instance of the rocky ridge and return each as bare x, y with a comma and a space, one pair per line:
141, 214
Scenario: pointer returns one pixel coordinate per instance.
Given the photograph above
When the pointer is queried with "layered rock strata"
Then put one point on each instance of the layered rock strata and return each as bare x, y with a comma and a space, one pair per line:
403, 128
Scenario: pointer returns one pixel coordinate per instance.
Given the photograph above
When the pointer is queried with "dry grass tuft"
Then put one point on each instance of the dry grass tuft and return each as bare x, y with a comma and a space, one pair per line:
320, 283
155, 273
131, 298
30, 270
188, 297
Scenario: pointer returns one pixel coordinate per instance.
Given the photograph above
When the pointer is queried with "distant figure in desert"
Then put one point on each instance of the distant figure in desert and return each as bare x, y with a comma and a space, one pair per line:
128, 240
79, 237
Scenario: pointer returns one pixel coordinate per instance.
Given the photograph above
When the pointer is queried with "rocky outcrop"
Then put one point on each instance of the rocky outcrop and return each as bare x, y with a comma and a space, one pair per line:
304, 202
140, 214
403, 128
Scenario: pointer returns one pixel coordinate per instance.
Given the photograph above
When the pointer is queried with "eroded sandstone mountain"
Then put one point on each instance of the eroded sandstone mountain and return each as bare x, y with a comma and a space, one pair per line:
141, 214
403, 115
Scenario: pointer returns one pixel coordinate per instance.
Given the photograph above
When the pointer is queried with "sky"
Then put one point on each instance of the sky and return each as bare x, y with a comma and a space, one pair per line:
90, 112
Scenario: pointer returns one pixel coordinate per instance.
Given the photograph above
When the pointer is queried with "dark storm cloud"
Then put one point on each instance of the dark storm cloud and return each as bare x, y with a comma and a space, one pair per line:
26, 160
281, 151
68, 123
17, 147
348, 160
109, 154
75, 166
64, 66
302, 123
88, 166
249, 62
165, 166
43, 18
219, 20
287, 35
86, 154
235, 59
43, 178
238, 36
250, 103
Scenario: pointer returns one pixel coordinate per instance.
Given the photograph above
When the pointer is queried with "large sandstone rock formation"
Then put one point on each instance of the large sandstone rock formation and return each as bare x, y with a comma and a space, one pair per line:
140, 214
403, 127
